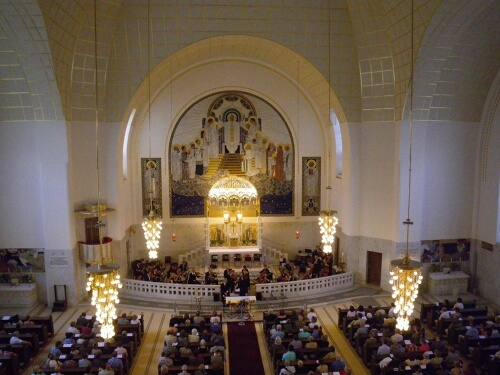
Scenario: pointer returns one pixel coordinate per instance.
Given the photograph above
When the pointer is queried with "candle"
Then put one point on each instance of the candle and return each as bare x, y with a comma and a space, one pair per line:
342, 258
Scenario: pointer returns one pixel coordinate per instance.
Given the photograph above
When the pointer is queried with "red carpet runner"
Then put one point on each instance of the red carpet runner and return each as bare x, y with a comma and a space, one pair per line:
244, 352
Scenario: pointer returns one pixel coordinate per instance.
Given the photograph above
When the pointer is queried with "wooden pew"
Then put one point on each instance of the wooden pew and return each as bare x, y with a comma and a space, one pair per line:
10, 364
40, 330
22, 351
30, 337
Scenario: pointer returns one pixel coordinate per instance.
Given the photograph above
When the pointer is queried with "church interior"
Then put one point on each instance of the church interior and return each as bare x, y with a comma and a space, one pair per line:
158, 144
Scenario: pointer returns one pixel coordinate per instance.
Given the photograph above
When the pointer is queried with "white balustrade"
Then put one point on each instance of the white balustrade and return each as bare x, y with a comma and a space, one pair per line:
318, 286
154, 291
166, 292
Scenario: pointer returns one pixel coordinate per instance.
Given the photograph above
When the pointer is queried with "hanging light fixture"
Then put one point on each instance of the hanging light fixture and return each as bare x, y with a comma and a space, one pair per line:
327, 219
104, 282
152, 224
406, 274
103, 279
328, 226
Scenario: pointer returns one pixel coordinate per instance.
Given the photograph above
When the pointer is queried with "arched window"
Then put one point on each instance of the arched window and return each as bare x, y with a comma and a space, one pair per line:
338, 142
125, 145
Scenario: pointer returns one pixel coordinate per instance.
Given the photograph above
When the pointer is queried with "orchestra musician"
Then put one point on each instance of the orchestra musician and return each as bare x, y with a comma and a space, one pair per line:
225, 290
211, 277
243, 285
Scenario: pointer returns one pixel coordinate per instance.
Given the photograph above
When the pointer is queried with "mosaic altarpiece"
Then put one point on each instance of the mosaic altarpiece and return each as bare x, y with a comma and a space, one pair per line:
223, 135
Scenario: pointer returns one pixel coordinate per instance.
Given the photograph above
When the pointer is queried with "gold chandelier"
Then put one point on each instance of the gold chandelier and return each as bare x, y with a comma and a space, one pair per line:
327, 228
104, 282
327, 219
406, 274
103, 279
152, 224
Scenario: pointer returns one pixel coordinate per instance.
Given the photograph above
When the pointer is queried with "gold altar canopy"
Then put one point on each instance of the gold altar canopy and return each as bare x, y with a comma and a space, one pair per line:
231, 195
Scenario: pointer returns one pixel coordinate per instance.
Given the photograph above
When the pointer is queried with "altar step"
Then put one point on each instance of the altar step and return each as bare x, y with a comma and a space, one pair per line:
213, 166
232, 163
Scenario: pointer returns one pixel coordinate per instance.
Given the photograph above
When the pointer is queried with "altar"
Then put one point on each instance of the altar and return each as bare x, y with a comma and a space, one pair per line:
24, 295
453, 283
219, 250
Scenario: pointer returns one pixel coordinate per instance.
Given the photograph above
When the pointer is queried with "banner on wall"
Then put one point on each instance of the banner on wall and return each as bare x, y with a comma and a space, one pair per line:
151, 186
311, 186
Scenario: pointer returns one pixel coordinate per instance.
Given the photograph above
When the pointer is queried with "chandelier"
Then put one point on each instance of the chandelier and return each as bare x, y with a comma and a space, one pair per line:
327, 219
327, 228
406, 274
103, 279
104, 282
152, 224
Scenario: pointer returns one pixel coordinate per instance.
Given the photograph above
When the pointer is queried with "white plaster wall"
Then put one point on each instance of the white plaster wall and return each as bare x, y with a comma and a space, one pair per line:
486, 276
447, 201
378, 166
487, 214
20, 206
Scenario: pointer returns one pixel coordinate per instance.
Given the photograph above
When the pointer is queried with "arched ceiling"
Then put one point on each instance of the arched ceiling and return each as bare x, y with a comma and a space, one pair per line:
363, 48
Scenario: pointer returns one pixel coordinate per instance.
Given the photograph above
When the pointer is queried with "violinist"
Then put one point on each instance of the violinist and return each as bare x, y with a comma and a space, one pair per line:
284, 277
268, 274
192, 277
245, 271
225, 291
210, 277
262, 279
243, 285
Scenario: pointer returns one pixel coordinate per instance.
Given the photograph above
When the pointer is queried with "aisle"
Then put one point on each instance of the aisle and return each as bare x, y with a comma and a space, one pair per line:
244, 351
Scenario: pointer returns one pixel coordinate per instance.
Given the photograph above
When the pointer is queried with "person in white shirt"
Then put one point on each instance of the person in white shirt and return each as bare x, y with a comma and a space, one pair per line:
459, 304
397, 338
392, 313
72, 328
311, 313
445, 314
352, 312
135, 320
215, 318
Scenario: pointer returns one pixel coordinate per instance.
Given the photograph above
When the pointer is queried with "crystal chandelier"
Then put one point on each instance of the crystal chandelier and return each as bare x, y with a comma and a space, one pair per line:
327, 219
152, 224
406, 274
152, 227
103, 279
104, 282
327, 228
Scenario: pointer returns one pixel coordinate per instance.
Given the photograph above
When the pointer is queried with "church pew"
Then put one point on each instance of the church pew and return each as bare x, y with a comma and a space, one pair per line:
131, 328
41, 330
175, 370
309, 364
44, 321
30, 337
22, 351
76, 370
10, 365
477, 343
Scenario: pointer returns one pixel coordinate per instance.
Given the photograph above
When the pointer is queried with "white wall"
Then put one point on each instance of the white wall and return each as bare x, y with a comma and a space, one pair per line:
448, 186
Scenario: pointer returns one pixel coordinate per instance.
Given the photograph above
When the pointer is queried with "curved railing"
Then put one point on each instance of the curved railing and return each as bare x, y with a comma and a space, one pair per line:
318, 286
162, 292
